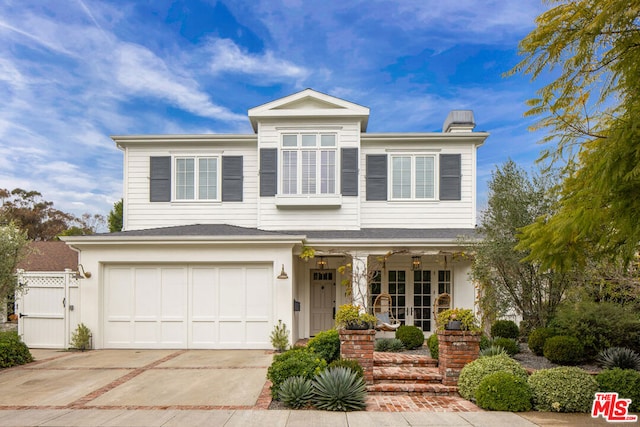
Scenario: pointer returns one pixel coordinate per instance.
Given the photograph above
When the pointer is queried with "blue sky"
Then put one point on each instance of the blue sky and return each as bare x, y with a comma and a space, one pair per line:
74, 72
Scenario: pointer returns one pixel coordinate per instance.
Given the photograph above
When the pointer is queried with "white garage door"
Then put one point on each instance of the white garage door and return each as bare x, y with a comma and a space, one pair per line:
188, 306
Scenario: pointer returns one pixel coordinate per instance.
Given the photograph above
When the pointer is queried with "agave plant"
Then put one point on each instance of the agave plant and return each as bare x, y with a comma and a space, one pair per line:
296, 392
619, 357
494, 350
339, 389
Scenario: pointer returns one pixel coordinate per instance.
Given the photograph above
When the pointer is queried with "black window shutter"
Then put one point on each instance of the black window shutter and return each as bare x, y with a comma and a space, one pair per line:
232, 175
450, 177
377, 177
160, 179
268, 172
349, 178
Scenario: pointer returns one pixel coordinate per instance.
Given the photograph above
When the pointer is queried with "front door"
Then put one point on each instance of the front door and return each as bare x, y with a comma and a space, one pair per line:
323, 292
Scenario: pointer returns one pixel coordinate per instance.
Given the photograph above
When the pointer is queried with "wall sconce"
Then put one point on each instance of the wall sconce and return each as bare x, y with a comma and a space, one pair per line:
416, 263
283, 274
322, 263
81, 274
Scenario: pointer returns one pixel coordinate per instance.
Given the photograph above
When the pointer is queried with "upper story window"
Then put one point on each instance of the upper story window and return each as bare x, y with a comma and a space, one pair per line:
197, 178
413, 177
308, 163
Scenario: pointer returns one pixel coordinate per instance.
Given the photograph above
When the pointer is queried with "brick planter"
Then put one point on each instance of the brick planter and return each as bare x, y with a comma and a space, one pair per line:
456, 349
359, 345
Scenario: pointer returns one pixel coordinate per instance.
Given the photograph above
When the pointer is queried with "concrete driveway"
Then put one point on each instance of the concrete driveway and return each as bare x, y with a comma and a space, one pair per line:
139, 379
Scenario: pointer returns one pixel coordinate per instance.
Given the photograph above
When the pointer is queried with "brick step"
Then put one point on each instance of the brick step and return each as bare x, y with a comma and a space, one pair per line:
399, 359
395, 389
404, 374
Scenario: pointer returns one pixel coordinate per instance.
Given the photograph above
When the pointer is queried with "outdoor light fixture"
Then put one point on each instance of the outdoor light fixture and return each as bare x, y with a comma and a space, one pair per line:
81, 274
283, 274
322, 263
415, 263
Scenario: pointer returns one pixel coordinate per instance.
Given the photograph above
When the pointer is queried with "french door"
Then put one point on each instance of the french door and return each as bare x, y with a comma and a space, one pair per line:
412, 293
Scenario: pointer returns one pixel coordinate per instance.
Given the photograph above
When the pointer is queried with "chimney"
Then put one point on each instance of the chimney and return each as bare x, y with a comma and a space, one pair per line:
459, 121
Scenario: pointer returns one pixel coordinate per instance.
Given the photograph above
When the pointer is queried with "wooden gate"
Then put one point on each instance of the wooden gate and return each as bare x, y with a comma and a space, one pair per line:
48, 308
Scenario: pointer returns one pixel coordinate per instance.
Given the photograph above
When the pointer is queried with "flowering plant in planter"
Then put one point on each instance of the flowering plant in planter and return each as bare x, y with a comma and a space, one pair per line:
351, 316
468, 321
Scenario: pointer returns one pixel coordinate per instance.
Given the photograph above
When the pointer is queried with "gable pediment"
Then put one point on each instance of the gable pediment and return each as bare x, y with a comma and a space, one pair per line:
309, 103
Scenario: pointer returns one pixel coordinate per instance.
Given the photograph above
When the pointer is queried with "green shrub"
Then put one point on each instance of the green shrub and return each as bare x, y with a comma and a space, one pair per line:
562, 389
505, 329
280, 337
485, 342
563, 350
389, 344
295, 362
349, 363
81, 338
326, 344
473, 373
339, 389
599, 326
537, 338
13, 351
494, 350
411, 336
503, 391
432, 342
619, 357
296, 392
625, 382
509, 345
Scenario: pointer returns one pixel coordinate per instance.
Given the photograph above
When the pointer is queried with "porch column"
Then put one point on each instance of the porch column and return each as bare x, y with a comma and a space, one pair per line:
359, 279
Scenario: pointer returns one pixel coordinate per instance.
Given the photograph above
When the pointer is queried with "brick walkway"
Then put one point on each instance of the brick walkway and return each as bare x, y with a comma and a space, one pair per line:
419, 404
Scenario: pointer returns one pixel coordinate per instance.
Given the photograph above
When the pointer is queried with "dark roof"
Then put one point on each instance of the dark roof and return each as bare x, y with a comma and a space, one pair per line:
197, 230
49, 256
365, 233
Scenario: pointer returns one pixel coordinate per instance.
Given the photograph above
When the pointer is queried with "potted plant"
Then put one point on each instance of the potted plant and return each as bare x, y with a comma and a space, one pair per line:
458, 319
351, 316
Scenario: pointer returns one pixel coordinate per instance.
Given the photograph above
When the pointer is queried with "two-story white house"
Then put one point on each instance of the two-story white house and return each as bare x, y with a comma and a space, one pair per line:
214, 226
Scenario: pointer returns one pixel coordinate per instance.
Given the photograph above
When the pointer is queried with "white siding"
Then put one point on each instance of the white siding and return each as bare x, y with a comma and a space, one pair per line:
141, 213
272, 217
421, 214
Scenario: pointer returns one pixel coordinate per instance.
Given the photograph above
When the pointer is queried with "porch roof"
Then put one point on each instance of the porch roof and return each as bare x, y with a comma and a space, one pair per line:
361, 237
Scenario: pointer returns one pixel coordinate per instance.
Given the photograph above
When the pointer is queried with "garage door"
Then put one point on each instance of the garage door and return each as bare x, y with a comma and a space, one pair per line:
188, 306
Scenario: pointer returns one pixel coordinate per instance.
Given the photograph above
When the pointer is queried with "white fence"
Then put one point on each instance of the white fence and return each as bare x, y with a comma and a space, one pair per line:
48, 307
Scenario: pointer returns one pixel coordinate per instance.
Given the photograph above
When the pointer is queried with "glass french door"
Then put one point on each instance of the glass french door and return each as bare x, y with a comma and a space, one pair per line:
421, 309
412, 294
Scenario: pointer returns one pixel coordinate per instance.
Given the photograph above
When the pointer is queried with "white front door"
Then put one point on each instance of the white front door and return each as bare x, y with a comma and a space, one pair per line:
323, 293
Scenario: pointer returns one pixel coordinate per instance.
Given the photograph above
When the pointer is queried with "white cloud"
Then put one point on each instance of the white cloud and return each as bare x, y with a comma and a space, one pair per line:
140, 70
227, 57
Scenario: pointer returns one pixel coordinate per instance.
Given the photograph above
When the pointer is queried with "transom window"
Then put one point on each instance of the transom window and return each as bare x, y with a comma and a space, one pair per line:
196, 178
413, 177
308, 163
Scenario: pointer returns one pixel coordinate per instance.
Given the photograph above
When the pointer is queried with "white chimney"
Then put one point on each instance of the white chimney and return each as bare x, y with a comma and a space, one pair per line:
459, 121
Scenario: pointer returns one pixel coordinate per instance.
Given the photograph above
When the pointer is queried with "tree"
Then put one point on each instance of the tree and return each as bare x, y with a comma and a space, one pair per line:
12, 248
591, 110
40, 220
115, 217
507, 282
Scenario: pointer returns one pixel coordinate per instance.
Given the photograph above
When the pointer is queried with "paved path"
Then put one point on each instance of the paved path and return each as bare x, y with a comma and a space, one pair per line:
248, 418
205, 388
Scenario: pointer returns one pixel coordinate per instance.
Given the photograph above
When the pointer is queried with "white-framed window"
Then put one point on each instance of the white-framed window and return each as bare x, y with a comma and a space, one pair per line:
197, 178
413, 176
308, 163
